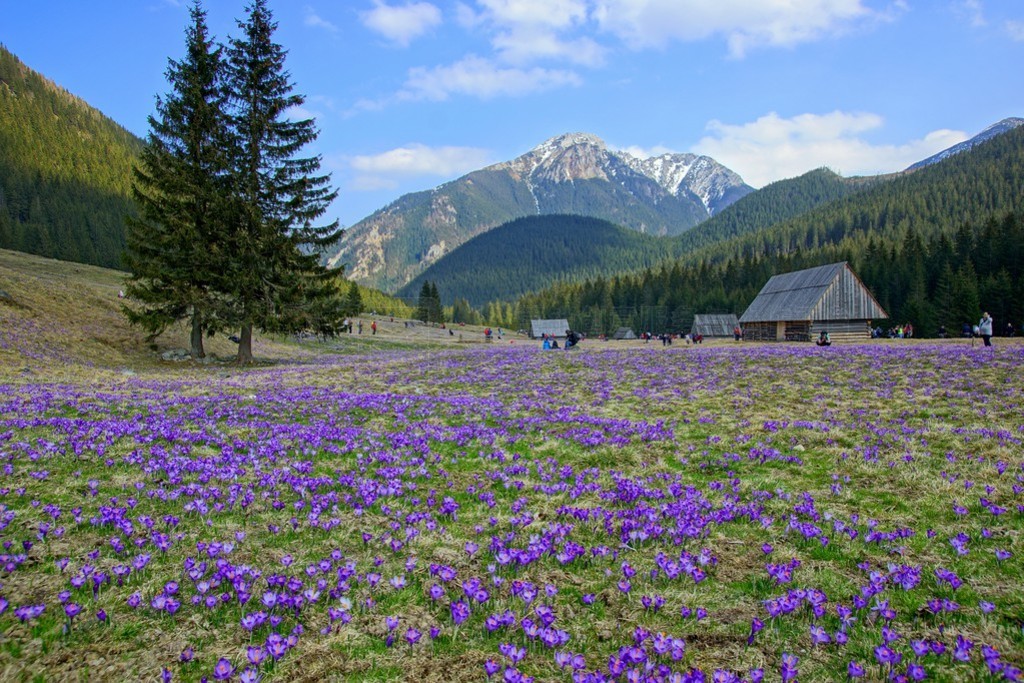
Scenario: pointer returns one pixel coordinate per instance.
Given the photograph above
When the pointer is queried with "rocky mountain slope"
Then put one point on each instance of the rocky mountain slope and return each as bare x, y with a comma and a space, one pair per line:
570, 174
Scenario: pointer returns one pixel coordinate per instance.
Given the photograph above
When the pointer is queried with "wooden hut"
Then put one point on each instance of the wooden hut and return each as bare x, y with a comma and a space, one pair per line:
714, 324
799, 306
552, 328
624, 333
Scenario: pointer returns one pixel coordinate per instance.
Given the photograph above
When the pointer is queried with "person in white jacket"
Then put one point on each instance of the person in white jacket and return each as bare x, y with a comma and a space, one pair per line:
985, 328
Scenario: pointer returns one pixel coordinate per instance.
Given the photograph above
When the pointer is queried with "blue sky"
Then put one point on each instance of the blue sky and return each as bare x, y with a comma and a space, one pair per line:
409, 94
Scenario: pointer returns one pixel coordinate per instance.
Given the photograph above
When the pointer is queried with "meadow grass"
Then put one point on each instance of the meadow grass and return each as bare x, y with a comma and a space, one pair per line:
404, 509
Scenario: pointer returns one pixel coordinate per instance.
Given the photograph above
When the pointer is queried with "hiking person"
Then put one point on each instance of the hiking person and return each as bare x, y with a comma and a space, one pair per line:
985, 328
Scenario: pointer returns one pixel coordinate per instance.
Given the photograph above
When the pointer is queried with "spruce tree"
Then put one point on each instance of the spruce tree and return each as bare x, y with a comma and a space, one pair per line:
276, 280
176, 244
436, 311
423, 303
353, 301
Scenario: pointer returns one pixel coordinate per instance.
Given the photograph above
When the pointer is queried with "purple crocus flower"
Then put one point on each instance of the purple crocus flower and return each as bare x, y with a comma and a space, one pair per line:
223, 670
788, 667
886, 656
962, 651
255, 654
819, 636
755, 627
459, 611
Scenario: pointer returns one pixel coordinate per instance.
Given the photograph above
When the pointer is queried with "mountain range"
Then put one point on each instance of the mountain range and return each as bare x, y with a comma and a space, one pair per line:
574, 173
820, 215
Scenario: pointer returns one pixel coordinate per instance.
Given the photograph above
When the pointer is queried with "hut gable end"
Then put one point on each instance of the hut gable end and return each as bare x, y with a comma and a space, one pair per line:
846, 298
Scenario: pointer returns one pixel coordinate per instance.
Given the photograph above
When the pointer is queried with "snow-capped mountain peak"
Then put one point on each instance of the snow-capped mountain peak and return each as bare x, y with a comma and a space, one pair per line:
992, 131
583, 156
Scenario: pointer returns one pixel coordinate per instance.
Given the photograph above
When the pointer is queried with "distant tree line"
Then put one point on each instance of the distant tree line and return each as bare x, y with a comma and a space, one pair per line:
225, 236
945, 281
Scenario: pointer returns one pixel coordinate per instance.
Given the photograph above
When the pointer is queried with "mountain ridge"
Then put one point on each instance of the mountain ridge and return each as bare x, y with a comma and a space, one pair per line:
998, 128
572, 173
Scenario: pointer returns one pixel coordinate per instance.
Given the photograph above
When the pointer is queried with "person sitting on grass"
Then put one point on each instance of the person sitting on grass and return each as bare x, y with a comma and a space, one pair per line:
824, 339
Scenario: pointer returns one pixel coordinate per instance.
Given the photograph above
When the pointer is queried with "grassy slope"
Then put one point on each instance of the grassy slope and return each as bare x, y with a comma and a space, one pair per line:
62, 320
59, 317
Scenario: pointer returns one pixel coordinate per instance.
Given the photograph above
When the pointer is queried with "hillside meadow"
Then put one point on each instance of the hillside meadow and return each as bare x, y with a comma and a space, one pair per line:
413, 505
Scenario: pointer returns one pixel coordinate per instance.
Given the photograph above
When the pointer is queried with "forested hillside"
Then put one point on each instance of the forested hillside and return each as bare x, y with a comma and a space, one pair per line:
780, 201
934, 246
533, 252
65, 171
970, 187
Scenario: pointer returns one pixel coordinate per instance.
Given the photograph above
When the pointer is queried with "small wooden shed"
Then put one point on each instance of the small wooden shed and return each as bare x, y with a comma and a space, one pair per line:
799, 306
552, 328
624, 333
714, 324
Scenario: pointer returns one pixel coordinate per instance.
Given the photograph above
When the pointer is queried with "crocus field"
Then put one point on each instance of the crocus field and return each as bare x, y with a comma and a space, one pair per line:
735, 512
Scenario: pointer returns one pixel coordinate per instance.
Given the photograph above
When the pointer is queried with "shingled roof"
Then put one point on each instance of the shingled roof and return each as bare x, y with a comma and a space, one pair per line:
552, 328
714, 324
825, 293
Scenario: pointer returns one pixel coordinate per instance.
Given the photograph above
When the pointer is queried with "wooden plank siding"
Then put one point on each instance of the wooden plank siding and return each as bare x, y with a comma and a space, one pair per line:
842, 331
846, 298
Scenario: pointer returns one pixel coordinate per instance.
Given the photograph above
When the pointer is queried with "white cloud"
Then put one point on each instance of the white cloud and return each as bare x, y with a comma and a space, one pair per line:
383, 171
1015, 29
478, 77
528, 44
644, 152
744, 24
524, 31
300, 114
773, 148
536, 45
552, 13
401, 24
314, 20
973, 10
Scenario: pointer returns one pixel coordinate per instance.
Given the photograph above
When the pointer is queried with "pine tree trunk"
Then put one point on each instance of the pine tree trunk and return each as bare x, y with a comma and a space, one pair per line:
197, 336
245, 345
